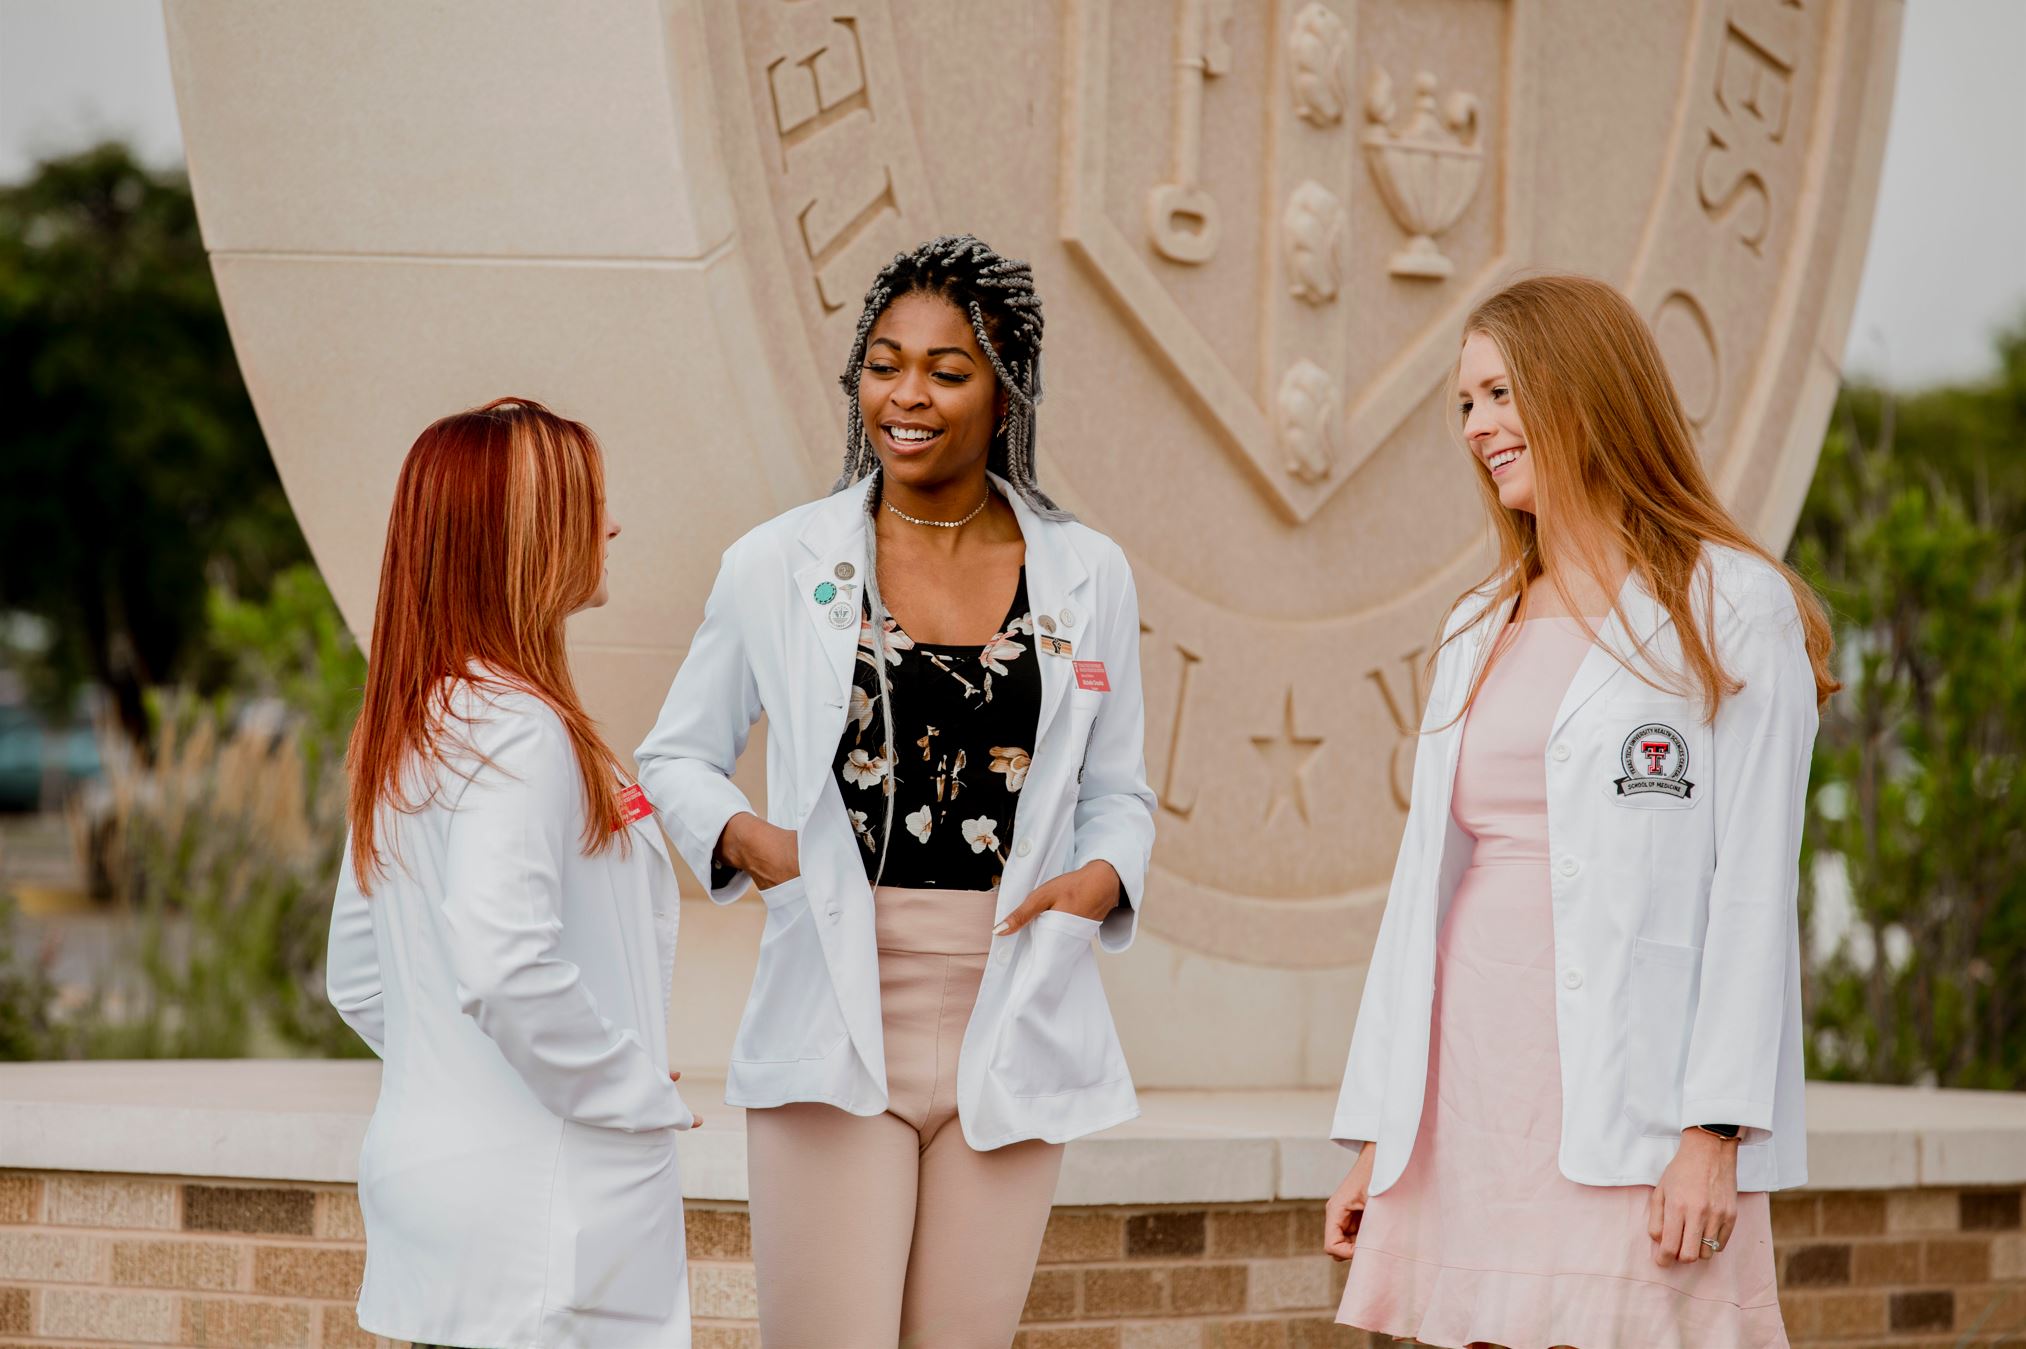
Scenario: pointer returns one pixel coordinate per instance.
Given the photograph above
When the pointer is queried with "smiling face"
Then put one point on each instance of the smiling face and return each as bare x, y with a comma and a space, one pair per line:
928, 394
1491, 422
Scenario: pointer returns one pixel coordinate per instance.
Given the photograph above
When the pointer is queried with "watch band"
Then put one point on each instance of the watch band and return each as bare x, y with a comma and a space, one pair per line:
1727, 1132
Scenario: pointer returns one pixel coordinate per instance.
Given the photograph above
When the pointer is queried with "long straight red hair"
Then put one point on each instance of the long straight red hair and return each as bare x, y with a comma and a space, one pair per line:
495, 539
1614, 462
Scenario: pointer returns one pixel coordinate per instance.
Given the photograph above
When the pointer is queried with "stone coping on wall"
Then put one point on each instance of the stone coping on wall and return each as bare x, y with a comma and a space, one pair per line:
303, 1120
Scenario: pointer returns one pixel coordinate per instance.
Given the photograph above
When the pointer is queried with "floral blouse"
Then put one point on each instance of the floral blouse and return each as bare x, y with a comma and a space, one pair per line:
964, 718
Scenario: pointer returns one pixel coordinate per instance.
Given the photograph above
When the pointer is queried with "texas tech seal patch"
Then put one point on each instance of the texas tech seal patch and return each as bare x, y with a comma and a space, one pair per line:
1655, 758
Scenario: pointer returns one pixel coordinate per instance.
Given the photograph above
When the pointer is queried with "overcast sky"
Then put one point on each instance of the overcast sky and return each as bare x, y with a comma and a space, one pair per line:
1948, 248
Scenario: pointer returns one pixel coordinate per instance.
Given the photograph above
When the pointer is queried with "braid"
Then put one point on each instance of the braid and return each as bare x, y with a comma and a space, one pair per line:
993, 291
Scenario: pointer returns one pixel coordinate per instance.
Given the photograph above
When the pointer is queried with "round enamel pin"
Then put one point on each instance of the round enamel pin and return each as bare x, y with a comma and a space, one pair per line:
845, 571
825, 592
1655, 759
842, 615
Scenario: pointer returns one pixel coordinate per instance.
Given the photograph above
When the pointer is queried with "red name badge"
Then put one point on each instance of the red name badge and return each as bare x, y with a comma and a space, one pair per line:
633, 805
1090, 675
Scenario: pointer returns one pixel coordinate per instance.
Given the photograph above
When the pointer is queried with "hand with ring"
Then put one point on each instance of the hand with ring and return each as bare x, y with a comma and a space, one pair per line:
1690, 1213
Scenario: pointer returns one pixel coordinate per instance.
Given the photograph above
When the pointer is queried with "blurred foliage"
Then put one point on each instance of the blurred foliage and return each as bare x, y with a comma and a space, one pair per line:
224, 841
30, 1026
133, 476
1915, 533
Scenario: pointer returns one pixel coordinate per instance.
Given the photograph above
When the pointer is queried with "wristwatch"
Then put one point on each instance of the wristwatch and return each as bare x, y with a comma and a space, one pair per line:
1727, 1132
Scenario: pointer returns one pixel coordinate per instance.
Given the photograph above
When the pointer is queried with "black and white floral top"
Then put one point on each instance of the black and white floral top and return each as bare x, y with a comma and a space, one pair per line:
964, 722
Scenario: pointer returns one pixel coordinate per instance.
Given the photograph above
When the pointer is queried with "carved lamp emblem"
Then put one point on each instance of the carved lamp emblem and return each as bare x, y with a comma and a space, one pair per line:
1427, 168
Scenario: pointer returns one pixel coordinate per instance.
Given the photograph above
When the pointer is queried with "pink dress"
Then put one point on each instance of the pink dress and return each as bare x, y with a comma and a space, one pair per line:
1483, 1238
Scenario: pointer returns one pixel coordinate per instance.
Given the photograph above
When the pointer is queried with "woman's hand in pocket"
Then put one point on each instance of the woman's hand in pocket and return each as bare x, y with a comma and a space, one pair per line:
1091, 891
1346, 1209
768, 853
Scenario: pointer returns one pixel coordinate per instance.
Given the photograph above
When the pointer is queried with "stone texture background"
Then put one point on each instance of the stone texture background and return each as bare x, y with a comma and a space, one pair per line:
137, 1260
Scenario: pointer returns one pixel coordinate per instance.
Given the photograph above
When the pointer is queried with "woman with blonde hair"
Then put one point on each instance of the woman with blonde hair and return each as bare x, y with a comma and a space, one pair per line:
505, 923
1577, 1067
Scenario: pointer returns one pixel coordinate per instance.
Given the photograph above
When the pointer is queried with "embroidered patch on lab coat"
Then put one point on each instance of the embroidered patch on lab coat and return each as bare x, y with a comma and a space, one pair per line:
1655, 759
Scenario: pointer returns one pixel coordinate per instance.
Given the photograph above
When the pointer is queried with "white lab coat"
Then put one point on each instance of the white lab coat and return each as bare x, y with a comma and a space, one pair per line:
519, 1177
1677, 942
1040, 1058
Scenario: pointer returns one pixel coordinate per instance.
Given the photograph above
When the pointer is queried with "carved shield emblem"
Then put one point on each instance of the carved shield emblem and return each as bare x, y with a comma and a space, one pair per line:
1258, 229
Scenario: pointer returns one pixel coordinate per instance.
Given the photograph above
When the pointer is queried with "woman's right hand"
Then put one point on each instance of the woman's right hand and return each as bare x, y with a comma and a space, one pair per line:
1346, 1209
767, 853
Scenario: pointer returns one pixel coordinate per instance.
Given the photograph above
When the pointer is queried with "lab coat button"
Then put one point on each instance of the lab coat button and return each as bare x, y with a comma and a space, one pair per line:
1561, 752
1569, 866
1572, 979
1002, 953
1025, 846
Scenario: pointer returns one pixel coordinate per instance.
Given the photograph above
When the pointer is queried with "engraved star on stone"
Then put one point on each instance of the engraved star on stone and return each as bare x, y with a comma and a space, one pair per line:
1288, 756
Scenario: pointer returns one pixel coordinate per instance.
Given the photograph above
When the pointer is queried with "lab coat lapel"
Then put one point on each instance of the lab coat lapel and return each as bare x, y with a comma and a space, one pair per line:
834, 538
1057, 582
1643, 619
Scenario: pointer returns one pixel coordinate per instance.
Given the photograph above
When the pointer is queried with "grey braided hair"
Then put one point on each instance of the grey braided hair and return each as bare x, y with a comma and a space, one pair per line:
998, 295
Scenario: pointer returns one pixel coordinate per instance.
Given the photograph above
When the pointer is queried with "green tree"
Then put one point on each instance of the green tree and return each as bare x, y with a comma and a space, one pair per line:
133, 476
1915, 531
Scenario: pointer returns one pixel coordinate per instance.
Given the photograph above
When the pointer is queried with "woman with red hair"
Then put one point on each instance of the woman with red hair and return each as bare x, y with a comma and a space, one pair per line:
505, 922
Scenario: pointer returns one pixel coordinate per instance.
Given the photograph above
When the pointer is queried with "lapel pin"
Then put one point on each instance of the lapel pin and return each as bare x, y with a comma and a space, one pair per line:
1069, 618
1047, 623
825, 592
1055, 646
845, 571
841, 615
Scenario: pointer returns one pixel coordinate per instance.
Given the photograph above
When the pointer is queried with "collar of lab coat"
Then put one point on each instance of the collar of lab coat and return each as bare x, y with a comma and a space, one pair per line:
1058, 582
1627, 639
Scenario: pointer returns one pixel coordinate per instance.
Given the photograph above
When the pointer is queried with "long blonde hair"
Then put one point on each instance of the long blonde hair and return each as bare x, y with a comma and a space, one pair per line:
493, 541
1613, 463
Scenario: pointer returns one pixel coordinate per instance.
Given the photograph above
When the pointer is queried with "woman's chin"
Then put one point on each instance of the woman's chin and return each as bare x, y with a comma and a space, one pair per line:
1516, 496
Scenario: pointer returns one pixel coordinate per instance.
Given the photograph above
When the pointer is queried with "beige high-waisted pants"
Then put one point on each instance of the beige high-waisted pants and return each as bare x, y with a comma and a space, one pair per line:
890, 1229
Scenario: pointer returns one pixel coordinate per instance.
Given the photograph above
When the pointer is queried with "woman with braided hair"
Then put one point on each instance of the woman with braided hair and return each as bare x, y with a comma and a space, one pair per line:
957, 805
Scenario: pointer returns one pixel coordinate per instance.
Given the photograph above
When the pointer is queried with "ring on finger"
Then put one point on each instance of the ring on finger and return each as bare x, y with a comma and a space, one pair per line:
1712, 1245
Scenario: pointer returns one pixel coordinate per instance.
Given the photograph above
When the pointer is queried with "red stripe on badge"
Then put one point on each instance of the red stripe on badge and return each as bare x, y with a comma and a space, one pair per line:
1090, 675
633, 805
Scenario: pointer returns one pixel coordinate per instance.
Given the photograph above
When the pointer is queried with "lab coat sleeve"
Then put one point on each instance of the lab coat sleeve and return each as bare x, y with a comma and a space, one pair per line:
352, 963
1361, 1097
1114, 817
686, 762
1761, 746
514, 822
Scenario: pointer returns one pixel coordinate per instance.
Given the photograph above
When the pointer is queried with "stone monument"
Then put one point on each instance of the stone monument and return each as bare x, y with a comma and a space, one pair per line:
1256, 225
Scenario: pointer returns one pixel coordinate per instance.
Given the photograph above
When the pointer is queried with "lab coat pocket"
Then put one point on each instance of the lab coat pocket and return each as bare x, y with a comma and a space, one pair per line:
1058, 1035
1662, 996
792, 1012
623, 1194
1659, 754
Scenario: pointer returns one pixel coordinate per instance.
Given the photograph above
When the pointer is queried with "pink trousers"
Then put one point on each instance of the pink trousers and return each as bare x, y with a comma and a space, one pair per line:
890, 1229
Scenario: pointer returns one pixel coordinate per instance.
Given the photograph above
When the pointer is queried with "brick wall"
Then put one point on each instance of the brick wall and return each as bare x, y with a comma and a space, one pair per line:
97, 1260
